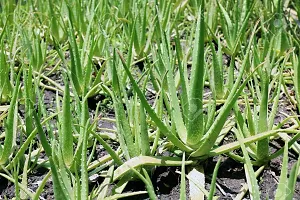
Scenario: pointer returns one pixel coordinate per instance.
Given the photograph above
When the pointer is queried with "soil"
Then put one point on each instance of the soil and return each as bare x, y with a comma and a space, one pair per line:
231, 177
166, 183
7, 189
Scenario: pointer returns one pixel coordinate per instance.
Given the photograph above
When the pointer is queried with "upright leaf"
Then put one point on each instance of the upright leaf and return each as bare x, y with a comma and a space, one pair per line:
195, 119
11, 124
66, 127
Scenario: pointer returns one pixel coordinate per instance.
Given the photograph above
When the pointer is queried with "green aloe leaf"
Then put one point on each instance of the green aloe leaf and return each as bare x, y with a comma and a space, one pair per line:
29, 97
145, 146
84, 187
66, 127
217, 71
183, 80
195, 126
76, 67
263, 145
11, 124
282, 189
213, 181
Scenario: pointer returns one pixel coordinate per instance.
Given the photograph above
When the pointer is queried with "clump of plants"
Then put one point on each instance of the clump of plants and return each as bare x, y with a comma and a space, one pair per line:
97, 95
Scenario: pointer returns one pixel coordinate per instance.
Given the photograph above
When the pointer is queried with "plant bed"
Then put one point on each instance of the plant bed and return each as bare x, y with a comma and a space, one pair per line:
149, 99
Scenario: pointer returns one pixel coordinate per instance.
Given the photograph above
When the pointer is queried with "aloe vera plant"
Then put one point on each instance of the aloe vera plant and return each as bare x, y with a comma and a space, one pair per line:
234, 30
190, 127
134, 139
260, 119
81, 64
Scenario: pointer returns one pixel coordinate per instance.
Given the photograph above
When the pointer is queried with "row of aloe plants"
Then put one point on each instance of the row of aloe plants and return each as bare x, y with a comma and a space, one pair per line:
183, 119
